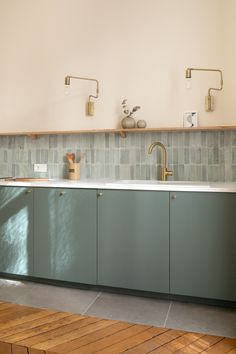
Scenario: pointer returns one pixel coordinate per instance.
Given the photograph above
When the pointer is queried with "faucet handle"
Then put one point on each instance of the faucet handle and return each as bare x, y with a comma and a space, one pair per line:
166, 173
169, 173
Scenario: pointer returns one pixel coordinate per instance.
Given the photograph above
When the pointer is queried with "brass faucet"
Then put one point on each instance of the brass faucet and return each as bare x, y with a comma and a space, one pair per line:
165, 173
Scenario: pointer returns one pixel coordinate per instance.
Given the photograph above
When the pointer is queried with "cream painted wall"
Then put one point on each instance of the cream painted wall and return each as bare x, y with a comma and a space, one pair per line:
137, 49
229, 48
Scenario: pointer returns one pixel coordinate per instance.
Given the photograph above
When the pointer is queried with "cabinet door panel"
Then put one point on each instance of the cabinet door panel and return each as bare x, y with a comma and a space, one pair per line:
16, 232
133, 240
203, 245
65, 234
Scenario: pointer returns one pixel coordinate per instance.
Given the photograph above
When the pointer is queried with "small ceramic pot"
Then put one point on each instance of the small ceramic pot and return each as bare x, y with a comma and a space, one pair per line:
141, 124
128, 123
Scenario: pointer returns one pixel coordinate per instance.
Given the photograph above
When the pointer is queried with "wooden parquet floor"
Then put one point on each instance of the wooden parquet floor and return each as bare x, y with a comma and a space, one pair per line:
27, 330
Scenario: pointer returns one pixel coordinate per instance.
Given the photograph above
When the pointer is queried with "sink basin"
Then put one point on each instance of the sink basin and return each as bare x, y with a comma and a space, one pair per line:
182, 182
133, 181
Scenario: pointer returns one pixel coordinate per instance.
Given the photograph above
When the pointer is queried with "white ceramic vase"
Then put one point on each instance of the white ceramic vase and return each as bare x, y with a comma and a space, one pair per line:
141, 124
128, 123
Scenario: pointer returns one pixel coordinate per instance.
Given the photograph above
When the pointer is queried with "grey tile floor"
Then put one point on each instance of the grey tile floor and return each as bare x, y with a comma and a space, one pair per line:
163, 313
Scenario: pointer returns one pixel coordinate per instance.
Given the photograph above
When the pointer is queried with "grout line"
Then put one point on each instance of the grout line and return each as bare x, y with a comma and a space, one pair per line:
91, 303
167, 314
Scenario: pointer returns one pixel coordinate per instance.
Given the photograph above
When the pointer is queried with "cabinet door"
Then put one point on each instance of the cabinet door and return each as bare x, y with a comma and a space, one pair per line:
65, 234
203, 245
133, 240
16, 233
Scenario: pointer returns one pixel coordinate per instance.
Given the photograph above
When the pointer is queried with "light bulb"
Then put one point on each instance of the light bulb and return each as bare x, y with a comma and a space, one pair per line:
188, 83
66, 90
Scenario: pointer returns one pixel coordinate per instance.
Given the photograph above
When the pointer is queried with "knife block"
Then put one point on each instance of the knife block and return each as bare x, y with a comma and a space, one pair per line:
74, 171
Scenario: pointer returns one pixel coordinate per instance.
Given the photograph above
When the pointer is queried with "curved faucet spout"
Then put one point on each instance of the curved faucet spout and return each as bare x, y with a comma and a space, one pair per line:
165, 173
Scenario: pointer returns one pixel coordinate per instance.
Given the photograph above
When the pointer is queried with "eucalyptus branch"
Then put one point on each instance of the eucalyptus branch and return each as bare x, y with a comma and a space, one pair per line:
126, 110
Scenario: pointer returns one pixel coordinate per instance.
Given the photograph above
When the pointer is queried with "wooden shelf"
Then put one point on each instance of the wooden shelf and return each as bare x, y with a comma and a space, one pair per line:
122, 132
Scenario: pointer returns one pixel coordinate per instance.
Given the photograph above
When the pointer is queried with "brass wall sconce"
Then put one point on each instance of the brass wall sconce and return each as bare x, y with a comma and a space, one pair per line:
90, 104
209, 100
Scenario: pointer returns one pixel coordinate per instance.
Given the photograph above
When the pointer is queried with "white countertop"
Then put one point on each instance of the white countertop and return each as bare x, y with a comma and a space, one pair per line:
185, 186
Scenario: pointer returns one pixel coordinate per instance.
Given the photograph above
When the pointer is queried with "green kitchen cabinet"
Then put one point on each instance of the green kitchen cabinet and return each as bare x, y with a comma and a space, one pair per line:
203, 245
133, 240
16, 230
65, 234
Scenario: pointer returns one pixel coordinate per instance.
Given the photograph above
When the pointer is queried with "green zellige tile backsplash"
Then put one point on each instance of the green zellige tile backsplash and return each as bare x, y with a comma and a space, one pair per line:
193, 155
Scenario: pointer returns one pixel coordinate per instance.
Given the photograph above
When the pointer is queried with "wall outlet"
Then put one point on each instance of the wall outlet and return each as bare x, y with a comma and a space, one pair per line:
190, 119
40, 167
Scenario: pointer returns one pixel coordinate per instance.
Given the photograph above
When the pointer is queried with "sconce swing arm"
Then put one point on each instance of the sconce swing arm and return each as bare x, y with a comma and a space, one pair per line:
90, 106
209, 98
67, 82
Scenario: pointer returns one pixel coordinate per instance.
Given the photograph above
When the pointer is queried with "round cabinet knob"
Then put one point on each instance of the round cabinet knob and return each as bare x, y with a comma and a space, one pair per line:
62, 193
100, 194
173, 196
28, 191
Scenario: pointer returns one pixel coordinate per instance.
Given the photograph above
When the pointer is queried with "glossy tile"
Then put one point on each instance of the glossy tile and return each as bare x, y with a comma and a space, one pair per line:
209, 150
